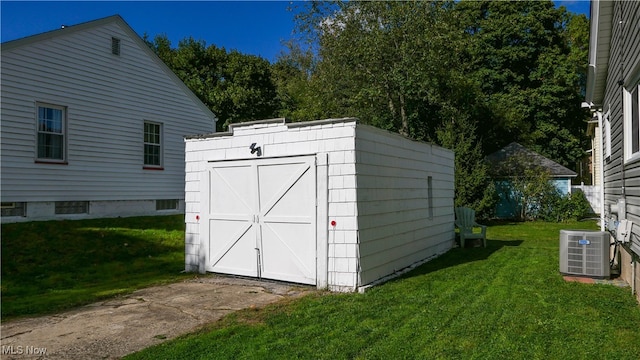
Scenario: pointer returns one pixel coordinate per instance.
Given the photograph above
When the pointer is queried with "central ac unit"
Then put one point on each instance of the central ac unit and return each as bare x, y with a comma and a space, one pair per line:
584, 253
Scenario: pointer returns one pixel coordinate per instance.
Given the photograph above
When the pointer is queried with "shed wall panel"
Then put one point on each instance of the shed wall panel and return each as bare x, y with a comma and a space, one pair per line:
396, 226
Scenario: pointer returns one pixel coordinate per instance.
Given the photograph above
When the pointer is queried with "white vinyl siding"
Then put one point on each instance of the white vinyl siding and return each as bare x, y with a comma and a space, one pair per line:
107, 99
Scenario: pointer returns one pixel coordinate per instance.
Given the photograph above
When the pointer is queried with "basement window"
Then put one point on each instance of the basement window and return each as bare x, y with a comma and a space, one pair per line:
115, 46
72, 207
167, 204
14, 209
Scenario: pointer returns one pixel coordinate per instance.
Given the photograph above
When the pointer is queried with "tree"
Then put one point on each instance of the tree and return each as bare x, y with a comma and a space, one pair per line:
525, 56
473, 185
296, 93
401, 66
394, 65
236, 87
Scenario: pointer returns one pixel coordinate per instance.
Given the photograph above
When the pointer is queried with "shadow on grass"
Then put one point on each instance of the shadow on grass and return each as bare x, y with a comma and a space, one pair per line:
53, 265
168, 223
458, 256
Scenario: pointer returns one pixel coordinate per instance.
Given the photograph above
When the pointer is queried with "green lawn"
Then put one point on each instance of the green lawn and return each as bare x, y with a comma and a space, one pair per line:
507, 301
50, 266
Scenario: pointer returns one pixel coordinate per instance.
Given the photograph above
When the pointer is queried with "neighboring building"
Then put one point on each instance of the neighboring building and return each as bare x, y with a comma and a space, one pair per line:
331, 203
516, 158
595, 153
92, 125
613, 94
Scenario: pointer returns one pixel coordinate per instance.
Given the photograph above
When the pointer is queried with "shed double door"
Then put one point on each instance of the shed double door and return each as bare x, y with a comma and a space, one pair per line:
261, 218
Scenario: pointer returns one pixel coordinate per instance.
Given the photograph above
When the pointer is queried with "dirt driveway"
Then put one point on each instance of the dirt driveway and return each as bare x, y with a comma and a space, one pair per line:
120, 326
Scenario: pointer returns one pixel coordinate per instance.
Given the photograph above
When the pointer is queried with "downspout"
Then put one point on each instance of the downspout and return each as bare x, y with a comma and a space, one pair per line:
601, 175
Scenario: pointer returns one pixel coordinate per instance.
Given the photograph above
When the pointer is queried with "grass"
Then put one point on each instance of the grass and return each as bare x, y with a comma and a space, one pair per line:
55, 265
506, 301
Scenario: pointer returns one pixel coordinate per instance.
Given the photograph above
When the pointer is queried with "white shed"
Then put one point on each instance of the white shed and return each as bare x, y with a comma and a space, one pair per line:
330, 203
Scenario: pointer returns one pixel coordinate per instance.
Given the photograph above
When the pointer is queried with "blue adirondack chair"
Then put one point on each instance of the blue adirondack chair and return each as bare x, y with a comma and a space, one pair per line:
466, 223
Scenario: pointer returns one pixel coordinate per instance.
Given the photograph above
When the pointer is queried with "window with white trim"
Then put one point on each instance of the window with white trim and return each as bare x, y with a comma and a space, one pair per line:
632, 118
152, 144
51, 121
607, 135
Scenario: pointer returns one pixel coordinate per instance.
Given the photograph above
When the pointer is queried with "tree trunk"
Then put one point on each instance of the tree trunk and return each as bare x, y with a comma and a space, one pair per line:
404, 130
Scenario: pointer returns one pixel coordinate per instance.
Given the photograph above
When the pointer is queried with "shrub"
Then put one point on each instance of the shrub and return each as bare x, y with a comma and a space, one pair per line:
567, 207
579, 206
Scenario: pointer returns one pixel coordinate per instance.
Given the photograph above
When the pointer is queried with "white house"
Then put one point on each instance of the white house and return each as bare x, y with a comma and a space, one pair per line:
613, 95
331, 203
93, 125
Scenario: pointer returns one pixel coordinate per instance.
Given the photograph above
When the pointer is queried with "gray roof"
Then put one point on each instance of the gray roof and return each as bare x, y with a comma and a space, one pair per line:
501, 162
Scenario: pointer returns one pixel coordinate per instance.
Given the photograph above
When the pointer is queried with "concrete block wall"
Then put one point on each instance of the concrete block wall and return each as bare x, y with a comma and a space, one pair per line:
627, 270
45, 210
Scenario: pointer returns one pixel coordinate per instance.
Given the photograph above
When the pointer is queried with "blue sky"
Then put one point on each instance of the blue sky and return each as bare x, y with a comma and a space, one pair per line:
251, 27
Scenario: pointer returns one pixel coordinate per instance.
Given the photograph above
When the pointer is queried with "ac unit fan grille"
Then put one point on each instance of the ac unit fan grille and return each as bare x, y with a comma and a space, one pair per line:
584, 253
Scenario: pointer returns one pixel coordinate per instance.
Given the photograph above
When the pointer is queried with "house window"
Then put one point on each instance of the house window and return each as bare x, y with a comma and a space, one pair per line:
632, 119
635, 120
51, 132
152, 145
167, 204
14, 209
607, 135
72, 207
115, 46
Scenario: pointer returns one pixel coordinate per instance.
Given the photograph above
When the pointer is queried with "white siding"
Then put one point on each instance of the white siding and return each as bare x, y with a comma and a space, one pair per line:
393, 206
333, 139
107, 98
374, 188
